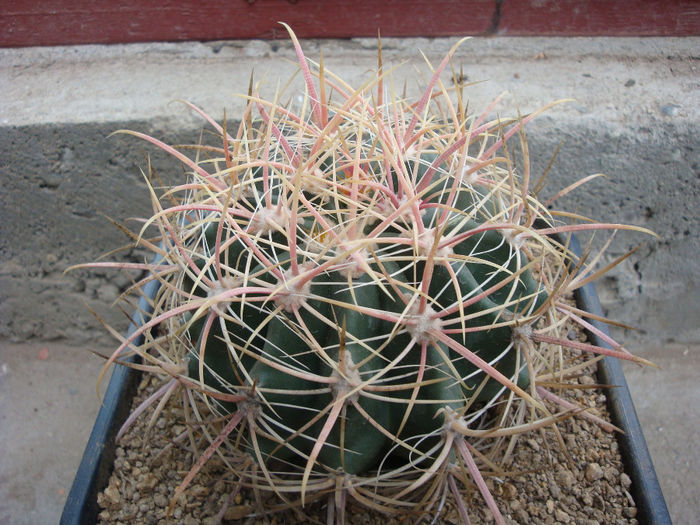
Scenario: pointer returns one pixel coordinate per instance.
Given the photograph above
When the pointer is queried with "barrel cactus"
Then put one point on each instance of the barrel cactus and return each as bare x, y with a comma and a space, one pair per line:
362, 292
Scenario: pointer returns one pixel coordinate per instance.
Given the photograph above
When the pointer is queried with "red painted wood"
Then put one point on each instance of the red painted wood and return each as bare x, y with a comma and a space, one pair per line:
60, 22
52, 22
600, 17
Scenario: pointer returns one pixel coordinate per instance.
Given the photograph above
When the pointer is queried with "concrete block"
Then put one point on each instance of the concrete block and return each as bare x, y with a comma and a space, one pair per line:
634, 117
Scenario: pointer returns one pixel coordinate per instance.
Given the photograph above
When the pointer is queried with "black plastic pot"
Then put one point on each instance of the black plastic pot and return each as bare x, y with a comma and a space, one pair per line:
98, 459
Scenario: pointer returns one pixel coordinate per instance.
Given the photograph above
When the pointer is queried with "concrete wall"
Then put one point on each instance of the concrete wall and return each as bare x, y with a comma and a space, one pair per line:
635, 117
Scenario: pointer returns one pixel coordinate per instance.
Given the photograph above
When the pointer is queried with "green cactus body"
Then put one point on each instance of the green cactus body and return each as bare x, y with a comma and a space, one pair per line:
354, 444
284, 345
433, 376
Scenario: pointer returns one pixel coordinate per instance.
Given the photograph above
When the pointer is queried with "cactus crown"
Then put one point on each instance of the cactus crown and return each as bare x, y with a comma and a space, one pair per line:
357, 287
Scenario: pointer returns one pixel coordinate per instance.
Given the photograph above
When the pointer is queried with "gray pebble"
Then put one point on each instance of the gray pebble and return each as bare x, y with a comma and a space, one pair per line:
670, 110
